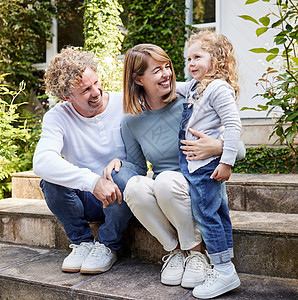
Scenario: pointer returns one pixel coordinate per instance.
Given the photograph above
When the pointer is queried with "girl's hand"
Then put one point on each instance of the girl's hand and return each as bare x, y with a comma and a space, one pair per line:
205, 146
222, 172
115, 164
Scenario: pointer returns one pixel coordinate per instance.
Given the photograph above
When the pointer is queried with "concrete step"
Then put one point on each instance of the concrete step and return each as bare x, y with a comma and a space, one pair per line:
246, 192
263, 192
265, 243
30, 273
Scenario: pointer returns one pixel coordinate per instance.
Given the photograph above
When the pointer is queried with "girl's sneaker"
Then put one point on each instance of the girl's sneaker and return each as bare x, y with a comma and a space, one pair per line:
216, 284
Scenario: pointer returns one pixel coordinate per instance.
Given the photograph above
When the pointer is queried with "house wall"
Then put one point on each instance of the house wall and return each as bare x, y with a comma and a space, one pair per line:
243, 36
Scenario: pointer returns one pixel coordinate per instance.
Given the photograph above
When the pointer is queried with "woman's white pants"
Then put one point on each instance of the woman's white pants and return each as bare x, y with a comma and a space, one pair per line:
163, 207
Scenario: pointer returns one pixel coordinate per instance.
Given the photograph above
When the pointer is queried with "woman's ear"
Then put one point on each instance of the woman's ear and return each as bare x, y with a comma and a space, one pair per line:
138, 80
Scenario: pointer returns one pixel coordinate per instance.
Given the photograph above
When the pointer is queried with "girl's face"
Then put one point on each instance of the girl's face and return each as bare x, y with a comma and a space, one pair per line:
199, 61
156, 80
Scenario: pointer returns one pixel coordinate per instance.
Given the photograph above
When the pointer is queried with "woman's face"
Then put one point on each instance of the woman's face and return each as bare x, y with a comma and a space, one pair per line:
156, 80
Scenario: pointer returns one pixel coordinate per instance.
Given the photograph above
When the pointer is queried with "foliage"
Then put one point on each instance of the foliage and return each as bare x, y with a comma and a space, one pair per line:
280, 84
15, 139
103, 37
25, 25
265, 159
161, 22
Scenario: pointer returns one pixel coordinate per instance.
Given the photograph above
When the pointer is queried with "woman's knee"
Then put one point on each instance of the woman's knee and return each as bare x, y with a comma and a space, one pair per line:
170, 186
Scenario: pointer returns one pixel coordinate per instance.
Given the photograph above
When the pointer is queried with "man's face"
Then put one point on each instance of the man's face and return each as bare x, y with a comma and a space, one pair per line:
87, 98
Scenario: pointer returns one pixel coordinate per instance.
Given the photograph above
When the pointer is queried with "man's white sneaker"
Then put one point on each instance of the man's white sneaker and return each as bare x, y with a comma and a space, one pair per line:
195, 268
99, 260
216, 284
73, 262
173, 268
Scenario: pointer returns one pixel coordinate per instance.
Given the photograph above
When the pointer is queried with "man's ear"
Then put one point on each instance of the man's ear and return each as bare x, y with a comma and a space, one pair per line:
67, 98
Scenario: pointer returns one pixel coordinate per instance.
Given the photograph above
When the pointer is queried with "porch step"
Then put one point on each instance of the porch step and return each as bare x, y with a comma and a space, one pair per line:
246, 192
265, 243
30, 273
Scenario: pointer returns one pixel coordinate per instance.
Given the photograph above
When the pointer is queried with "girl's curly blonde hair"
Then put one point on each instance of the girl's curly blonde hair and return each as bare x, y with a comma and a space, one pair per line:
223, 60
65, 71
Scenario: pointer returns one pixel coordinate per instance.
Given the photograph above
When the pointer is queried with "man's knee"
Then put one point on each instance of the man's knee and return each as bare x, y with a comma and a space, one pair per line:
122, 177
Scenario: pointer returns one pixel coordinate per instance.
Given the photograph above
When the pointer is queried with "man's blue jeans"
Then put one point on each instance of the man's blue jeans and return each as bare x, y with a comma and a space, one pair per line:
209, 204
74, 209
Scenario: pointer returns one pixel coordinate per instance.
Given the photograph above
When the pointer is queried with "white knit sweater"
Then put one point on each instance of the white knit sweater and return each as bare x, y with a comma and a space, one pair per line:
74, 150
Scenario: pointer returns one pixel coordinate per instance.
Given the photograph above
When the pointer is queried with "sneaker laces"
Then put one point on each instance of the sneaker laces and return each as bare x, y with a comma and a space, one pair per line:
173, 260
78, 250
194, 261
211, 276
99, 250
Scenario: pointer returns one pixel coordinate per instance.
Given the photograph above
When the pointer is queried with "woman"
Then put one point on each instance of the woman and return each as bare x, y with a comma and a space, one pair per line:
162, 204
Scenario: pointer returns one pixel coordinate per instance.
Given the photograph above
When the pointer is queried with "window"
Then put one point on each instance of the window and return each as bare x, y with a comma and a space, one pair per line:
69, 33
202, 13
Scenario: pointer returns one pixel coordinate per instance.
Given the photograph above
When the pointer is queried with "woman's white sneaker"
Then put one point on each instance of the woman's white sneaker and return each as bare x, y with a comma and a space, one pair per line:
74, 261
99, 260
173, 268
216, 284
196, 264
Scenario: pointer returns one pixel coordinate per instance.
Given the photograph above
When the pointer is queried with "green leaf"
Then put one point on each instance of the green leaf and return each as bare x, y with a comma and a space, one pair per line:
280, 40
251, 1
263, 107
290, 136
270, 57
265, 21
274, 50
261, 30
249, 18
295, 60
259, 50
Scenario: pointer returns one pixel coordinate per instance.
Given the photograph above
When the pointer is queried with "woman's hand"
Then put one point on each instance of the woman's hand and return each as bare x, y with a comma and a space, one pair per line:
222, 172
115, 164
205, 146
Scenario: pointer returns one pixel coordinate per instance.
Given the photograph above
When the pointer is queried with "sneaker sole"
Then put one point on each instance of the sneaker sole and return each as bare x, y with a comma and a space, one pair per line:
224, 290
70, 270
190, 284
99, 270
171, 281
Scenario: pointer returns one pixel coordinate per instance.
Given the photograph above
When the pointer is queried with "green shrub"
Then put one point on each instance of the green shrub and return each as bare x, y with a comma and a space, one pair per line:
104, 38
279, 83
16, 140
268, 160
158, 22
25, 26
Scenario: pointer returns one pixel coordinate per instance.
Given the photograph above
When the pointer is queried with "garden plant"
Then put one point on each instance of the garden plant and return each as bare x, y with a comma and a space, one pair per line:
279, 82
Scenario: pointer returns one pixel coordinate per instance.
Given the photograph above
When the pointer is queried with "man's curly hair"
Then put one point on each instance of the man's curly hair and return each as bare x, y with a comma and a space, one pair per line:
65, 71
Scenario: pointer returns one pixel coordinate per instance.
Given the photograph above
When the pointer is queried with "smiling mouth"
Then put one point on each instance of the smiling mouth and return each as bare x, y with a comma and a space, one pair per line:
165, 83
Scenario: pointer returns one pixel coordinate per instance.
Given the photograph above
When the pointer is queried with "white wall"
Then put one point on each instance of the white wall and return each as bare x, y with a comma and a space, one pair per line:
242, 34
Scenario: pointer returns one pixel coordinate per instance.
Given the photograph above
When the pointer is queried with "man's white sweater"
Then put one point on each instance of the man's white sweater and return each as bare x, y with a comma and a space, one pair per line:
74, 150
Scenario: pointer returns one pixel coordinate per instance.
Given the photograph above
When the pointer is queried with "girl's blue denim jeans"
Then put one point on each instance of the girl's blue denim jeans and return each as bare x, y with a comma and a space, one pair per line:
74, 209
209, 203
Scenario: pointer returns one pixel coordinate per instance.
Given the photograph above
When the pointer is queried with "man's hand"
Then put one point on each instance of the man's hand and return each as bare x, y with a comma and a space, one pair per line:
205, 146
107, 192
222, 172
115, 164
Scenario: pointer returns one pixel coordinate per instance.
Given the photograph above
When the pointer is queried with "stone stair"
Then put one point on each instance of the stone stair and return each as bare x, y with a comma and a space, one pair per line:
264, 213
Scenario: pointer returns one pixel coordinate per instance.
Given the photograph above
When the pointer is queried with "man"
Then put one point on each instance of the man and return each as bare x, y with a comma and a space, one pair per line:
80, 136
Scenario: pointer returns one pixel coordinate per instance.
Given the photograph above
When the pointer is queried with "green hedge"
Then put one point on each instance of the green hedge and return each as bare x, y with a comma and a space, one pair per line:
158, 22
268, 160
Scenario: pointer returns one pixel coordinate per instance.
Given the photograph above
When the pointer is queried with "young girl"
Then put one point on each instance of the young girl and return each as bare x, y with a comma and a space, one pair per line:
212, 109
